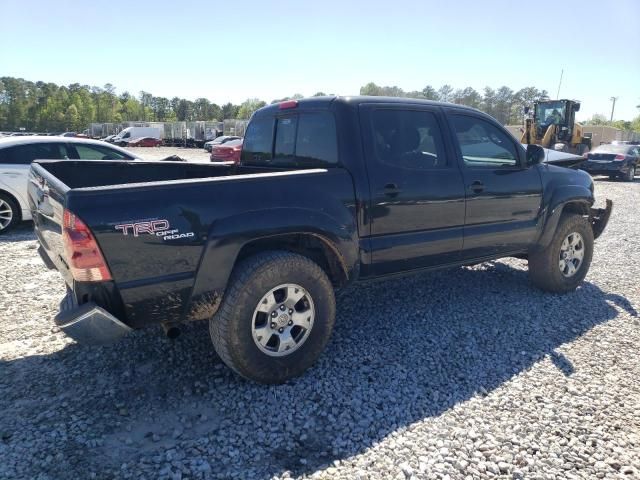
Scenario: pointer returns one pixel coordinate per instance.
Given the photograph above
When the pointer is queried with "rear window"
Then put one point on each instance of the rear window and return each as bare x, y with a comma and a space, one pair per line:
25, 154
98, 152
611, 149
301, 140
258, 142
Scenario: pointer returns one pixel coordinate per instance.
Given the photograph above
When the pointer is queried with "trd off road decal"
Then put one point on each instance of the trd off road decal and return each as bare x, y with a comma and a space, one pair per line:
157, 227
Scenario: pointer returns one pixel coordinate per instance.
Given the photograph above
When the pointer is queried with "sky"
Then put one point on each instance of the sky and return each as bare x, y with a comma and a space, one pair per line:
271, 49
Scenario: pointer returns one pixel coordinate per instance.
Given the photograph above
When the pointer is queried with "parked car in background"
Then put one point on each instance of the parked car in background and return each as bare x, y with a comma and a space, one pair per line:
16, 155
145, 142
108, 138
616, 161
131, 133
219, 140
227, 152
68, 134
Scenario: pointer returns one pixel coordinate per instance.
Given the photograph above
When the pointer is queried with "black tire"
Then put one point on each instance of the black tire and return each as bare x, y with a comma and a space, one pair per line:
232, 326
544, 269
631, 174
16, 213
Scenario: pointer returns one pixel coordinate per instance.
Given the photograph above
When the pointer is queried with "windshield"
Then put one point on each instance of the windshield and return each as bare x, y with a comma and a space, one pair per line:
551, 112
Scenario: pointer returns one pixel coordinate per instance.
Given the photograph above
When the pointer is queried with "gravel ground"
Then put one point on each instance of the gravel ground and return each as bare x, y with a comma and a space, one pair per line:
158, 153
469, 373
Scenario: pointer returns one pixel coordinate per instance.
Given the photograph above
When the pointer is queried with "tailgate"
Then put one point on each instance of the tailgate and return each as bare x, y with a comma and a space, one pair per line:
46, 196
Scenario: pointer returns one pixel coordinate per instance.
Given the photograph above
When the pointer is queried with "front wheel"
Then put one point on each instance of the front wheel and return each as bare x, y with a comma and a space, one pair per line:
564, 263
276, 317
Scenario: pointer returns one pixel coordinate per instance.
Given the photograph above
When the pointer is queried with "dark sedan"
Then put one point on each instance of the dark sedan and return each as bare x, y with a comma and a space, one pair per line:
616, 161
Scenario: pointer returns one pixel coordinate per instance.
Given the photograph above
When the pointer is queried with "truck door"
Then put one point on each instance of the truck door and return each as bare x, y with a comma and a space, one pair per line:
417, 191
503, 194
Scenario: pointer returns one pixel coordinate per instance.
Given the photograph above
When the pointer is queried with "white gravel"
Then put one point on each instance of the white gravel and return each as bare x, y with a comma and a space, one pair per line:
461, 374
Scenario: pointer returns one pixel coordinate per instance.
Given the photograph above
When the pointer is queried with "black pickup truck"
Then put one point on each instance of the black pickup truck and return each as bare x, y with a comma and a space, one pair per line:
329, 190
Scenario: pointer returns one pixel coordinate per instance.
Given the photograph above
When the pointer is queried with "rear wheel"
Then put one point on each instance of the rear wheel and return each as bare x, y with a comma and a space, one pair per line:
10, 213
630, 176
276, 317
564, 263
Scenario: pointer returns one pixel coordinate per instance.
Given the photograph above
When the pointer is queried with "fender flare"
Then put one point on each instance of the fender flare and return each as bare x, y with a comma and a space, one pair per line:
228, 236
573, 194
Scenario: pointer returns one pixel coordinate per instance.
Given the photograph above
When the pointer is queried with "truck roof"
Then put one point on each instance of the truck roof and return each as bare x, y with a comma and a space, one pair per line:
325, 102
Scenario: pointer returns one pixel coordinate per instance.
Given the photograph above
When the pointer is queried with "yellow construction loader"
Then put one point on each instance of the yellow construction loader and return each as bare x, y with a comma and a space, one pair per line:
553, 125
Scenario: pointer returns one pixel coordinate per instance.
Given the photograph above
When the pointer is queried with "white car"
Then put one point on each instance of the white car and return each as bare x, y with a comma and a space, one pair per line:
16, 155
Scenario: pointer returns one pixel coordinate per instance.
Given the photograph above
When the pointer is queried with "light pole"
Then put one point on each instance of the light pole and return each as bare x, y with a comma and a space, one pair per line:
613, 107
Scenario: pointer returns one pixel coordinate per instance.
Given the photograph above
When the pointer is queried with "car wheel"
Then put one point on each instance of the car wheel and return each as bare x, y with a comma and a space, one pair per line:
276, 317
631, 174
10, 213
564, 263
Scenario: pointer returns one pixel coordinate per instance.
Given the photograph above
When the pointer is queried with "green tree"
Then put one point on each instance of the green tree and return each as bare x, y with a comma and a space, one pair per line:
71, 118
229, 111
445, 93
249, 106
430, 93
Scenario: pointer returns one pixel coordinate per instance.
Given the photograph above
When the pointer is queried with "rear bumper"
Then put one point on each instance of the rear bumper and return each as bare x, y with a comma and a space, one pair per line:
606, 168
89, 324
599, 217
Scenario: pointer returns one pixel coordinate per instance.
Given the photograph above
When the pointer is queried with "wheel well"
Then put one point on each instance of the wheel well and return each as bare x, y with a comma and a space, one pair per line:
15, 200
580, 208
312, 246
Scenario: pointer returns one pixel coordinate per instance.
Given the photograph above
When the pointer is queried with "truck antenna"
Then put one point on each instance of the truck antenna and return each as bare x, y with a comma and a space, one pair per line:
559, 84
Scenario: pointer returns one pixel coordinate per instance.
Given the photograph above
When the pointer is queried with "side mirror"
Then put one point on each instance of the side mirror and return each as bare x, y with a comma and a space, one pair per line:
535, 154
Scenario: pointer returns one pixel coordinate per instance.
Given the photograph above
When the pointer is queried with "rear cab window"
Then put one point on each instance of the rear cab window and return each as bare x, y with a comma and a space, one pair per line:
300, 140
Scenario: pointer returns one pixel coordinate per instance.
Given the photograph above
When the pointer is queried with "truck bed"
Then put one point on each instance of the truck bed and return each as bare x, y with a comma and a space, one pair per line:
198, 208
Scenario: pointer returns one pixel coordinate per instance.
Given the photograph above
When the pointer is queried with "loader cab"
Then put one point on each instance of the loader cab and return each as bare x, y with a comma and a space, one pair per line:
556, 112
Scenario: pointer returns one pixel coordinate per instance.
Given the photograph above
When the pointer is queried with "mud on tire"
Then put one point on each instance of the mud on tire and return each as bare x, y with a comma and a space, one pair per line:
232, 328
545, 266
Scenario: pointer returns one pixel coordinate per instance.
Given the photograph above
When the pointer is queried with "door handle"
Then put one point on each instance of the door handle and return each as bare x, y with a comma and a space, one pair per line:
477, 186
391, 190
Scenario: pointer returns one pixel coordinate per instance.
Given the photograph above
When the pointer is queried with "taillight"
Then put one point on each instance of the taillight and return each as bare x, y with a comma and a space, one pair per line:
81, 249
620, 157
288, 104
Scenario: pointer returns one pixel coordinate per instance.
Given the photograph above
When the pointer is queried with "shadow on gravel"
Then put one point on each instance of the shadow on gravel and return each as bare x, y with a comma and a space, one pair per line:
19, 233
403, 350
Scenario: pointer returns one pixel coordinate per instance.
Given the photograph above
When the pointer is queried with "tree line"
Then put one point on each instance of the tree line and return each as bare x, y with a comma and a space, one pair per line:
504, 104
47, 107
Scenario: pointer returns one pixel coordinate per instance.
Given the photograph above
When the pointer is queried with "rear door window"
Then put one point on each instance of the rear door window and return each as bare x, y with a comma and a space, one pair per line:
25, 154
408, 139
